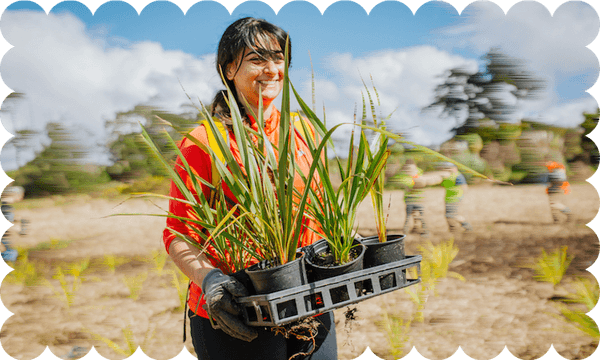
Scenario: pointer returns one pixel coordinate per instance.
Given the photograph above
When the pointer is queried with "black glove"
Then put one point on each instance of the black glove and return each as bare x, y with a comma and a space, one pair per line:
219, 291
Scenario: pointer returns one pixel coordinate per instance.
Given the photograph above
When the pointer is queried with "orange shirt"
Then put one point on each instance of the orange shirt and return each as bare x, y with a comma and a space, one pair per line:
557, 178
200, 163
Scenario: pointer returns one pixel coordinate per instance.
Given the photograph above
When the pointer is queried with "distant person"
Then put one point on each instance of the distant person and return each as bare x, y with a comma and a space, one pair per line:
558, 186
412, 182
455, 184
11, 195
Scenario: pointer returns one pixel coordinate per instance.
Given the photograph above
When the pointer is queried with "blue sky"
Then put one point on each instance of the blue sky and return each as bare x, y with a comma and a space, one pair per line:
81, 69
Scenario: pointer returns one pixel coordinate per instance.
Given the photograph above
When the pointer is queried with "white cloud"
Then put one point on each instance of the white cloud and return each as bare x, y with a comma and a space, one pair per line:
564, 115
405, 81
78, 80
552, 46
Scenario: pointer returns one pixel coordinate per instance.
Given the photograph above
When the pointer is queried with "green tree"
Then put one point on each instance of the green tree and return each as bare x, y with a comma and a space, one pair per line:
130, 156
58, 168
483, 94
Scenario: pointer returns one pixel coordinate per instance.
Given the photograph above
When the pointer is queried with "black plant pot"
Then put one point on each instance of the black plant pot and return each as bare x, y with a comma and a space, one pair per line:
380, 253
268, 279
321, 271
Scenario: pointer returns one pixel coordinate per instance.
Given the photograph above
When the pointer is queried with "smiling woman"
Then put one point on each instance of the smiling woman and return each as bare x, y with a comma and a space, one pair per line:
252, 61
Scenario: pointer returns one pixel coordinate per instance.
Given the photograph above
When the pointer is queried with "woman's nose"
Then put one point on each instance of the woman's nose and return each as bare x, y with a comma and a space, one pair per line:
270, 67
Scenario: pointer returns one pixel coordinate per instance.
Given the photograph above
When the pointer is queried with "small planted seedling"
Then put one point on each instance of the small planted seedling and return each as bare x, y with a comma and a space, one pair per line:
159, 259
586, 293
418, 295
26, 273
436, 263
70, 280
53, 244
551, 267
111, 262
135, 284
581, 321
397, 329
434, 267
180, 282
130, 345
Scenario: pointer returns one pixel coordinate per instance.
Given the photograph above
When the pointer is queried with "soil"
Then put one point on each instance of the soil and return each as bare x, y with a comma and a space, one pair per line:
499, 304
326, 259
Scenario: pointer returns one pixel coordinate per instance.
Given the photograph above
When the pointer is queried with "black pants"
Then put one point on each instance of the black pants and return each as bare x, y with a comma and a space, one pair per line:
214, 344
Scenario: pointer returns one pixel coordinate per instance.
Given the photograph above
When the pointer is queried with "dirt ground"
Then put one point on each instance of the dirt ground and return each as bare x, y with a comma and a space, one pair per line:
499, 303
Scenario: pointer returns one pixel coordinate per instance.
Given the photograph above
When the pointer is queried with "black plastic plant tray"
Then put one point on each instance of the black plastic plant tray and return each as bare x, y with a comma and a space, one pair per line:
285, 306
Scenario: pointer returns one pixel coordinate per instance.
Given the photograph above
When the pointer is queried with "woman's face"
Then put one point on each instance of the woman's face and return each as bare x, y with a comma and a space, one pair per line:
255, 73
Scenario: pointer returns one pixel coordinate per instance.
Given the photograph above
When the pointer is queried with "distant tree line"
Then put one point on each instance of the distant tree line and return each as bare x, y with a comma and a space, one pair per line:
61, 167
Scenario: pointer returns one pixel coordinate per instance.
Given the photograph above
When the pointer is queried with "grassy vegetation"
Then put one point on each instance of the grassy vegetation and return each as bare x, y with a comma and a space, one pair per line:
436, 263
158, 260
128, 342
26, 273
53, 244
397, 329
434, 267
582, 292
551, 267
135, 284
111, 261
180, 282
70, 280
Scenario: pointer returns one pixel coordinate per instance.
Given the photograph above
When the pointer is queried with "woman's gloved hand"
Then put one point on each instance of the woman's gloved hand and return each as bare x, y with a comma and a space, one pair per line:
219, 290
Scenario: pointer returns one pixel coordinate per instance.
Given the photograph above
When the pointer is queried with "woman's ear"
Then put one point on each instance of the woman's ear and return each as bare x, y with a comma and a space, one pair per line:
230, 71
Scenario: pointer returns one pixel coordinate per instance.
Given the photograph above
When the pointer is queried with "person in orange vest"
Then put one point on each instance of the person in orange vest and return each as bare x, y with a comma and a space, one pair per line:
558, 186
251, 57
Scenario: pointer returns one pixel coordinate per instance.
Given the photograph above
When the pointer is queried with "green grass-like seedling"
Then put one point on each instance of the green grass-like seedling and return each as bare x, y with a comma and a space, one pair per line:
434, 267
418, 295
159, 259
397, 330
436, 262
26, 273
130, 345
69, 288
586, 293
180, 282
53, 244
111, 262
135, 284
581, 321
551, 267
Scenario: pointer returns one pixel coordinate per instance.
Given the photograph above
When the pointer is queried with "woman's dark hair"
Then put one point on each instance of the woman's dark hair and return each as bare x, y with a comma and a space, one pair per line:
244, 33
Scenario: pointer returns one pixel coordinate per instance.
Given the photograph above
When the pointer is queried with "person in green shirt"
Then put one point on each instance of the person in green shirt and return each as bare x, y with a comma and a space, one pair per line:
455, 184
413, 183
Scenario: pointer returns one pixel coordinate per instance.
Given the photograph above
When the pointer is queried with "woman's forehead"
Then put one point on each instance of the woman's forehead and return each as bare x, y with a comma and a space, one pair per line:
263, 43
